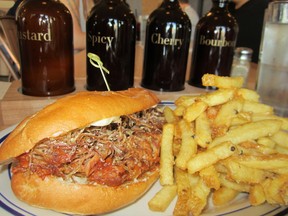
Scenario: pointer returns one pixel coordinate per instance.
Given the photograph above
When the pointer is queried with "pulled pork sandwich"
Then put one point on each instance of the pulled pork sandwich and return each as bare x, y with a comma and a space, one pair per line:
88, 153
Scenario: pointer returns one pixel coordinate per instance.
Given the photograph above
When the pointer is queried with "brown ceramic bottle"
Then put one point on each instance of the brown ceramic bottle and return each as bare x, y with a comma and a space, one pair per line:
111, 35
166, 48
45, 32
215, 40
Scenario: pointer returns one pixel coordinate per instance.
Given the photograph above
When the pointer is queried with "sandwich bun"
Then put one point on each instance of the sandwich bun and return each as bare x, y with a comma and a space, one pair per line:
71, 112
66, 114
81, 199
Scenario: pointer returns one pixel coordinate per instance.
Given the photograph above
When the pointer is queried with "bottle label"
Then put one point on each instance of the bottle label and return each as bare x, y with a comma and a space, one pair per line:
98, 39
35, 36
157, 39
217, 43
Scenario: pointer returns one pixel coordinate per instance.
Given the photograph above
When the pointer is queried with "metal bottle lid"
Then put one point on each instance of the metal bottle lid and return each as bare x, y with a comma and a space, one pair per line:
243, 53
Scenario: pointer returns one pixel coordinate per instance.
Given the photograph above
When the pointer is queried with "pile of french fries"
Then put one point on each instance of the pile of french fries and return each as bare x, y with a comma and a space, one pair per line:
218, 145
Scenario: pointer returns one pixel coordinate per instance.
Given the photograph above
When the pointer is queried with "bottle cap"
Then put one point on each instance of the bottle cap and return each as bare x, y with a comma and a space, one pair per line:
243, 53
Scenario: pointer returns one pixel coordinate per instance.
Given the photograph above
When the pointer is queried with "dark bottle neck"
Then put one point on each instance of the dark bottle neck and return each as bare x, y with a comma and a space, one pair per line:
126, 3
170, 3
112, 2
109, 5
220, 4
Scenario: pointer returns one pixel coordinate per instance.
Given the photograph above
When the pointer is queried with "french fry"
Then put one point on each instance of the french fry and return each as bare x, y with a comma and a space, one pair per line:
194, 110
256, 195
181, 206
222, 81
248, 94
179, 111
220, 168
284, 123
169, 115
249, 131
210, 157
281, 139
276, 190
253, 148
227, 112
163, 198
198, 197
212, 112
217, 97
167, 159
281, 150
210, 177
224, 195
241, 118
269, 192
261, 116
238, 186
280, 171
264, 162
220, 144
254, 107
185, 100
266, 141
188, 147
184, 182
244, 174
203, 133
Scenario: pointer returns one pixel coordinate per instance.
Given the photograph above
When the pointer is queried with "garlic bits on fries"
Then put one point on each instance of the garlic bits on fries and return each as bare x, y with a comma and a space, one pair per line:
221, 144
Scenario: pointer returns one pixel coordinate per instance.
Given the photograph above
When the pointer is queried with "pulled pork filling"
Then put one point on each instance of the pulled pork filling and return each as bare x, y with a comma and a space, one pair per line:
110, 155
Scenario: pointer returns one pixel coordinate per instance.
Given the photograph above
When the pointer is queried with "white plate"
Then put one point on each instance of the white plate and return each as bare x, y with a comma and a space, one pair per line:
10, 205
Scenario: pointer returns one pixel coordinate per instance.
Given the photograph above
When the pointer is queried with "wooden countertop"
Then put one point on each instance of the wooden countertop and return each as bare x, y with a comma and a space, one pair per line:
15, 106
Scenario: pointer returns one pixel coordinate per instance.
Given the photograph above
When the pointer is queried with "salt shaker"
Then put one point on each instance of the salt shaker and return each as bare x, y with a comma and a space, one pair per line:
241, 62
